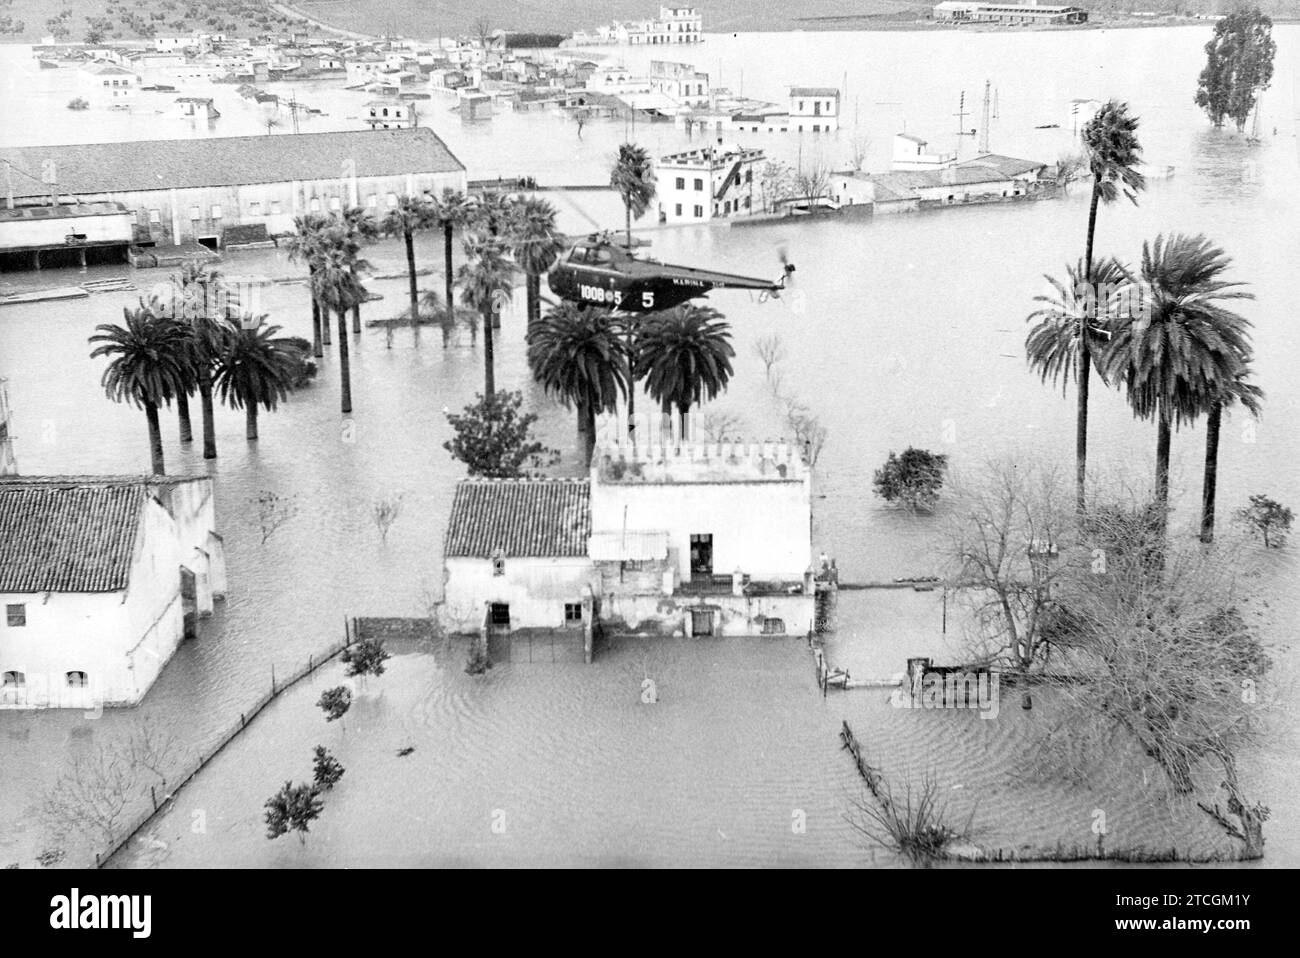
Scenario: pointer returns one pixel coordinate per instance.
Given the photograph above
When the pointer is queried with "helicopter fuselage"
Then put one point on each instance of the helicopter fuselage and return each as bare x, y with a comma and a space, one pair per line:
608, 276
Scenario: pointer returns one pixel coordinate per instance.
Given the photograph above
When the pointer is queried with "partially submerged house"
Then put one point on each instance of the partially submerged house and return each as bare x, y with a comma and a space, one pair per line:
681, 538
100, 578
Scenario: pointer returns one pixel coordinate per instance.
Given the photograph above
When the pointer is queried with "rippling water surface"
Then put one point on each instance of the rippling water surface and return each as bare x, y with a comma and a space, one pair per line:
909, 330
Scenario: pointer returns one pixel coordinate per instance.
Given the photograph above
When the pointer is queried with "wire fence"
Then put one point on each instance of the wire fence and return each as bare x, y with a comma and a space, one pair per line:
279, 683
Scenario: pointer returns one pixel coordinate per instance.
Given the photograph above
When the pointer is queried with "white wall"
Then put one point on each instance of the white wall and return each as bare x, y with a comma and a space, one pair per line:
536, 590
763, 528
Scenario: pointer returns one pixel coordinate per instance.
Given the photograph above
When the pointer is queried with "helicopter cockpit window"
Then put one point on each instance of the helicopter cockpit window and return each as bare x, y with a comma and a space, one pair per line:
580, 254
601, 256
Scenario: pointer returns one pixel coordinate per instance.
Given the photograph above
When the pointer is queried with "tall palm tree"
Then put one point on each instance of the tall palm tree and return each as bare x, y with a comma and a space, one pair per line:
1075, 309
1183, 347
1221, 396
362, 228
486, 283
451, 213
146, 366
634, 179
684, 356
255, 367
200, 300
577, 356
411, 215
337, 287
304, 245
1112, 154
538, 245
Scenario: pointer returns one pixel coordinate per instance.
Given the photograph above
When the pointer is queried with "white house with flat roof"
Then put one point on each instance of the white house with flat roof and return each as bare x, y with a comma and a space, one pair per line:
713, 182
914, 153
973, 11
814, 109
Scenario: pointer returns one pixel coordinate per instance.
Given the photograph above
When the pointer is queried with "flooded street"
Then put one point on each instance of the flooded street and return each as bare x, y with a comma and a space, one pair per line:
904, 330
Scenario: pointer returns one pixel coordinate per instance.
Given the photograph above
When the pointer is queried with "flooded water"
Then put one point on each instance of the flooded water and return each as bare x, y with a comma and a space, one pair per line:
906, 330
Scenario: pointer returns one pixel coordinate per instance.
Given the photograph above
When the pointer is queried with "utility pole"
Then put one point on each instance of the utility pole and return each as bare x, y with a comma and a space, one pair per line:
984, 123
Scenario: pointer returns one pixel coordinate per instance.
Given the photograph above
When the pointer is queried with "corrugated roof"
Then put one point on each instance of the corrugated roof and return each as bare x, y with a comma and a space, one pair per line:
520, 517
228, 161
68, 535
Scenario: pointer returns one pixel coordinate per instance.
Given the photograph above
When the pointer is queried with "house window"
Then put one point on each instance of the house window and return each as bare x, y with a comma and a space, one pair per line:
196, 213
498, 565
314, 205
749, 176
255, 208
681, 182
699, 211
699, 184
817, 128
155, 216
76, 679
572, 613
13, 680
275, 207
216, 211
773, 626
679, 209
16, 615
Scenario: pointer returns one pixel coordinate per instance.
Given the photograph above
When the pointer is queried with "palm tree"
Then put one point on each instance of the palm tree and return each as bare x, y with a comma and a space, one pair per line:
200, 300
409, 216
146, 366
577, 356
361, 228
684, 356
1112, 154
451, 212
1183, 349
486, 284
255, 368
1074, 308
304, 245
336, 286
633, 177
538, 245
1221, 396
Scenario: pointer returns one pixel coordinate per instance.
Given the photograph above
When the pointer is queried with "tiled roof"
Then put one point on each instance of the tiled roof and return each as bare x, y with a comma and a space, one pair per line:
68, 534
520, 517
228, 161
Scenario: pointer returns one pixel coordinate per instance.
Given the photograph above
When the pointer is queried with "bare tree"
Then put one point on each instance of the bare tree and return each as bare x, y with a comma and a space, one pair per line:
718, 426
771, 350
97, 790
385, 512
1004, 550
273, 511
859, 147
813, 179
809, 431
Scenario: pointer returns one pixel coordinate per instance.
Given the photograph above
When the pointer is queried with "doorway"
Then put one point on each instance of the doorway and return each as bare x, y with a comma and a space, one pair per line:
701, 622
701, 555
209, 241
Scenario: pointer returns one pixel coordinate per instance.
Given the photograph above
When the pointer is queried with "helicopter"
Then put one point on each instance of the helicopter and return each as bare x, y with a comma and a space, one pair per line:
598, 271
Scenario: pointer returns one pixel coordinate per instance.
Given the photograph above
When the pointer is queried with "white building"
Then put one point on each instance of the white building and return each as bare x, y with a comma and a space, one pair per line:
388, 114
974, 11
680, 81
674, 537
673, 25
913, 153
108, 85
100, 578
717, 181
814, 109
